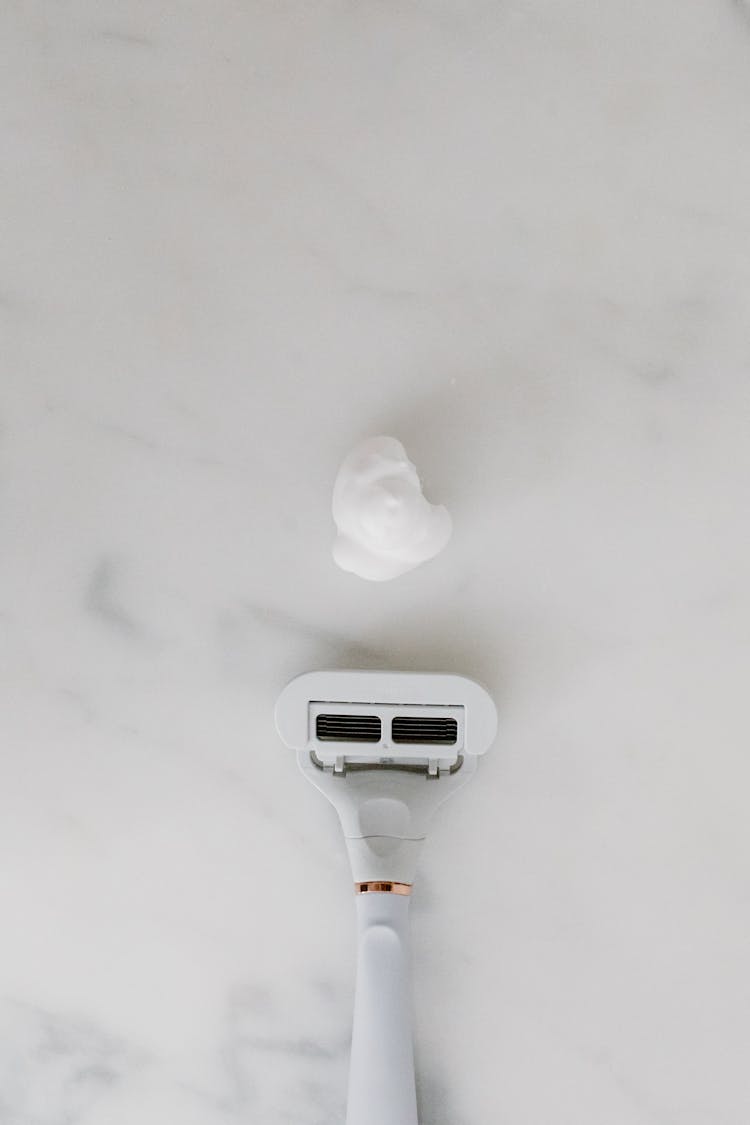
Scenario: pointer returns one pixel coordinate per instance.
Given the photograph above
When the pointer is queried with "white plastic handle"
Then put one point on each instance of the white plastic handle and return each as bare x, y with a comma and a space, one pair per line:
381, 1075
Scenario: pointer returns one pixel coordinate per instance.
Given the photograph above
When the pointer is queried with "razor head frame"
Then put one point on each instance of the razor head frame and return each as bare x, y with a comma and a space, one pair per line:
386, 719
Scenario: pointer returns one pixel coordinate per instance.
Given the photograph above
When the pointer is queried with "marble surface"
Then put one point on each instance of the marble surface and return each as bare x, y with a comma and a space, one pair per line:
236, 239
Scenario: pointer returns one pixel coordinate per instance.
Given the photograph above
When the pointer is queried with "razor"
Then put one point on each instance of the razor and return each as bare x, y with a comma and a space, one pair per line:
385, 748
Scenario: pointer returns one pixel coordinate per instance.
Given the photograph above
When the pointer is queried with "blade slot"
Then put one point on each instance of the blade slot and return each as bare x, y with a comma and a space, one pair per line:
347, 728
425, 730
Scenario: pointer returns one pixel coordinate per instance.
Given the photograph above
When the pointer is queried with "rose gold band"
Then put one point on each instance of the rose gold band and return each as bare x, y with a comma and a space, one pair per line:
382, 888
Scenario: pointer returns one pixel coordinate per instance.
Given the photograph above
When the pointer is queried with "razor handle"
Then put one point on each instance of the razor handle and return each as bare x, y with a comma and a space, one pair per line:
381, 1077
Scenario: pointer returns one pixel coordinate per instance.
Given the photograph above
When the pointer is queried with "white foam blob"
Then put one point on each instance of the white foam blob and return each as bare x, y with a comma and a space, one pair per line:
385, 525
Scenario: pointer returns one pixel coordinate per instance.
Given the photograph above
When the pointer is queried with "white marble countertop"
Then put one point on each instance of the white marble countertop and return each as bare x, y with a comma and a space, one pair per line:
236, 240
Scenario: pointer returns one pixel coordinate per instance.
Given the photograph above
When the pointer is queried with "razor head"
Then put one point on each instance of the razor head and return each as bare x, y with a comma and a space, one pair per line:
386, 749
400, 720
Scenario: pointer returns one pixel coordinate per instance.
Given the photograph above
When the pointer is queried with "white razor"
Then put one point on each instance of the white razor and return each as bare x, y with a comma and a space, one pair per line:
386, 748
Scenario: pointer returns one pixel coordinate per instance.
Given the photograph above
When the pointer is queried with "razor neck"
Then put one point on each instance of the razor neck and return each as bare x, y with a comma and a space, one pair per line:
385, 813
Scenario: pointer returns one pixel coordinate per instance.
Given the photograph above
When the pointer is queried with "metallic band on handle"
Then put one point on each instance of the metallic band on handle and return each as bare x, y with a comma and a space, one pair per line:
382, 888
